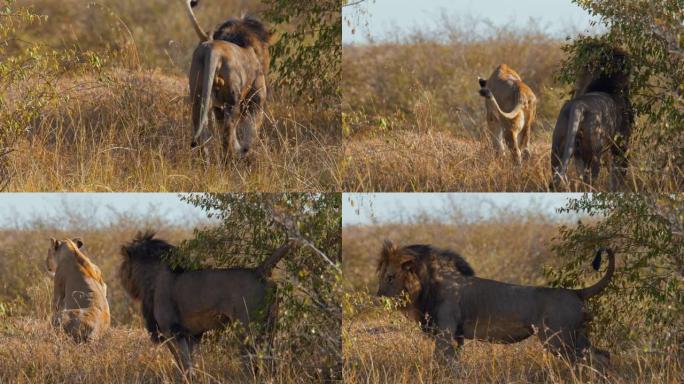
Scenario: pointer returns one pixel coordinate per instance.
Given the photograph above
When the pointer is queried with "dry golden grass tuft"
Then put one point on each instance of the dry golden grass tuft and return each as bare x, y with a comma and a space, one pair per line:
130, 130
381, 346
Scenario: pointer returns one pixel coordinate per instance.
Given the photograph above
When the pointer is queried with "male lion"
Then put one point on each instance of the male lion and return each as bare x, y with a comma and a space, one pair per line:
451, 303
179, 306
228, 70
79, 300
598, 119
505, 90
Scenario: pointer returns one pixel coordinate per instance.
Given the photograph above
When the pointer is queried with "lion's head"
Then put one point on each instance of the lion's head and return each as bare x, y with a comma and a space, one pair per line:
411, 269
607, 69
247, 32
58, 250
397, 271
141, 260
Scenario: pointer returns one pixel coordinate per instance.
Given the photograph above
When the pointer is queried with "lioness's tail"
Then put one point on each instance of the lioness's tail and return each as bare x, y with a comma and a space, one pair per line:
211, 62
267, 266
595, 289
487, 94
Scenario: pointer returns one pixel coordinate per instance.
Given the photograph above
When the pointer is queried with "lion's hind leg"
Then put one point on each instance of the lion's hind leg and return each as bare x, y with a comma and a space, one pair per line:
495, 134
511, 136
75, 327
527, 131
252, 116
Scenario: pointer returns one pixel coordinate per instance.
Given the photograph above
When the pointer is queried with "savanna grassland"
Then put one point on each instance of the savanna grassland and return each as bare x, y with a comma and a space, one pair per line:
381, 346
34, 352
413, 119
97, 100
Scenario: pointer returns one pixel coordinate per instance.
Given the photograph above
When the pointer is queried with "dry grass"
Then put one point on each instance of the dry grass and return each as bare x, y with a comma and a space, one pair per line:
31, 351
130, 130
121, 122
413, 119
381, 346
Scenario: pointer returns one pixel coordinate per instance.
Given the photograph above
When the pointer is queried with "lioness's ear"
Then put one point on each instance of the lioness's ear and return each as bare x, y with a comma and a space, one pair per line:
78, 242
54, 243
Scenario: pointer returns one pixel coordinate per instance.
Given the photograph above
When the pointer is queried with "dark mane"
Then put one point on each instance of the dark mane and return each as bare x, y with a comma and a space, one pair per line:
245, 32
144, 247
141, 262
608, 72
424, 251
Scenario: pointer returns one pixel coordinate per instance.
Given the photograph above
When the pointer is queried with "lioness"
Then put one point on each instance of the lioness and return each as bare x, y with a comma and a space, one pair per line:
505, 90
452, 304
179, 306
228, 71
79, 300
598, 119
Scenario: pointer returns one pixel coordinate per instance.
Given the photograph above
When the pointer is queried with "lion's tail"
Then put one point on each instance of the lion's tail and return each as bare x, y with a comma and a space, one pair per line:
576, 117
193, 20
267, 266
487, 94
211, 61
595, 289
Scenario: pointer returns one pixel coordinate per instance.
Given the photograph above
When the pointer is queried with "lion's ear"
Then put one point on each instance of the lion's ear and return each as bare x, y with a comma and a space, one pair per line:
78, 242
387, 252
54, 244
408, 262
388, 249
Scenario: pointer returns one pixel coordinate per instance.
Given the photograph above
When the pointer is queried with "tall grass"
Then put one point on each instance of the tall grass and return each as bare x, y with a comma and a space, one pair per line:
116, 117
380, 345
413, 119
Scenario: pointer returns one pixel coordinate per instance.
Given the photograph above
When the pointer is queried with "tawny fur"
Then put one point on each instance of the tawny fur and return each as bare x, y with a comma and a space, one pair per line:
511, 109
179, 306
452, 304
79, 300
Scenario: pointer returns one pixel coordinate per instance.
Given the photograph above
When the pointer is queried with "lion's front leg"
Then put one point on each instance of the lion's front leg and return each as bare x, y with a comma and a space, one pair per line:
495, 134
181, 353
448, 337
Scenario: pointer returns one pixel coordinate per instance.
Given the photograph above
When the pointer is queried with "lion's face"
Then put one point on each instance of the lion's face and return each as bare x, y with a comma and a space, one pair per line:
396, 272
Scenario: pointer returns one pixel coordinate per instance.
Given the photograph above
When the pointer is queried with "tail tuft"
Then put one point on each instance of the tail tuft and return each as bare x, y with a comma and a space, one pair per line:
596, 264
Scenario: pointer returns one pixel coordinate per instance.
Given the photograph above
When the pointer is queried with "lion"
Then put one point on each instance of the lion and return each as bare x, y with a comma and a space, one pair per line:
179, 306
505, 89
451, 303
228, 71
79, 300
596, 120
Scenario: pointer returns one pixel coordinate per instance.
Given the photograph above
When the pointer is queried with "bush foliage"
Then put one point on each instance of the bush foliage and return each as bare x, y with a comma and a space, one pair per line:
250, 227
643, 305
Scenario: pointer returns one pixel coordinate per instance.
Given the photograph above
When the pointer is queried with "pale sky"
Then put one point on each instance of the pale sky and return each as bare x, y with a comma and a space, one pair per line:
388, 18
366, 208
20, 209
